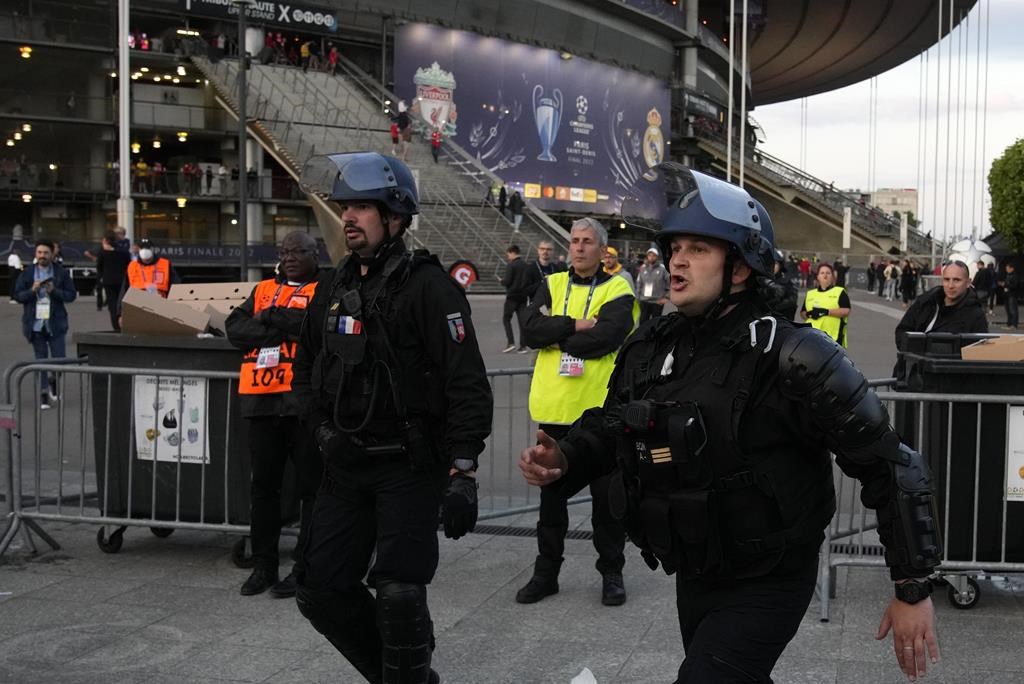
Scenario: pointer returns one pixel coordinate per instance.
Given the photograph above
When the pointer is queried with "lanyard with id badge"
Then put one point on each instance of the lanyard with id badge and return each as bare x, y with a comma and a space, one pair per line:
570, 366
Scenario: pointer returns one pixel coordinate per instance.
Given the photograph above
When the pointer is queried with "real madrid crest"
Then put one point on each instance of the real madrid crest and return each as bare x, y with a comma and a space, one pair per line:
654, 143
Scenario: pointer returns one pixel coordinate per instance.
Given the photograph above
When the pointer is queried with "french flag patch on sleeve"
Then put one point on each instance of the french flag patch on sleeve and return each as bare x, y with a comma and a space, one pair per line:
349, 326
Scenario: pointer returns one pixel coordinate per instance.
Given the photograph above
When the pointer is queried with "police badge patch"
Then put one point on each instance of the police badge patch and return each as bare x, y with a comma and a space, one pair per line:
456, 327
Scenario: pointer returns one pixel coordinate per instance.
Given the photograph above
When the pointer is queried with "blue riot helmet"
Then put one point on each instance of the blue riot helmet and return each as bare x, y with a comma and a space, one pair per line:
673, 200
369, 176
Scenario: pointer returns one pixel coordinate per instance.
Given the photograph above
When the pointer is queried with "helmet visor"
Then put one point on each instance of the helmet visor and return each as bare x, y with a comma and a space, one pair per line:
324, 175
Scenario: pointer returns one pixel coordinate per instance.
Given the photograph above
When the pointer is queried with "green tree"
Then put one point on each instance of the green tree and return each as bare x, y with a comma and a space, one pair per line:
1006, 186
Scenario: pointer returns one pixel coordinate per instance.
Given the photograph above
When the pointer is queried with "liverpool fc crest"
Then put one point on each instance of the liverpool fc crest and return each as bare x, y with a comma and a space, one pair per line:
434, 106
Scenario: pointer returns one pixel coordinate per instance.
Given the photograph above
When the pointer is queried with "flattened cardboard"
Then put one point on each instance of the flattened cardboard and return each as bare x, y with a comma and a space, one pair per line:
146, 313
1002, 348
215, 299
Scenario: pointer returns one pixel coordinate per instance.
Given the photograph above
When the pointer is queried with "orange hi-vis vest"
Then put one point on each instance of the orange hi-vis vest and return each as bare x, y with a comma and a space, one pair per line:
270, 375
153, 278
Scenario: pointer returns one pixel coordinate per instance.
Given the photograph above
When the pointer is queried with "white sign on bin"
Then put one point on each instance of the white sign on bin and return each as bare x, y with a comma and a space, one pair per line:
172, 421
1015, 455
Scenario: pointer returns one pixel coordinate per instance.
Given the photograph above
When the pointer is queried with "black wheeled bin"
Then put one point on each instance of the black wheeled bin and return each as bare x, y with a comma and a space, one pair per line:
202, 489
932, 364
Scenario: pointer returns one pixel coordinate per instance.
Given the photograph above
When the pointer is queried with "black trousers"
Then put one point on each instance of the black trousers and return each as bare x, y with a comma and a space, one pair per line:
735, 633
1010, 303
272, 441
650, 310
113, 293
553, 524
517, 307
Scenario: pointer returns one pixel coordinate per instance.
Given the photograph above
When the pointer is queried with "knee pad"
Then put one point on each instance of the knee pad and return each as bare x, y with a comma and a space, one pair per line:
406, 631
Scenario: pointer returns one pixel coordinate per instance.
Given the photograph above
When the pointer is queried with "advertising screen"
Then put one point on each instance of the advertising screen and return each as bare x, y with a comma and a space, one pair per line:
568, 133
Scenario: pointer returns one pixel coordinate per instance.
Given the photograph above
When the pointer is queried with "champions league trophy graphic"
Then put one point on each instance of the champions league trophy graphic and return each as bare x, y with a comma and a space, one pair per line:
547, 111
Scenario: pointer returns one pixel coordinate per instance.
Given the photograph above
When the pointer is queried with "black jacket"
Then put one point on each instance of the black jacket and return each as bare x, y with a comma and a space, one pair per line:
270, 328
984, 280
112, 266
516, 280
614, 324
772, 425
966, 316
424, 317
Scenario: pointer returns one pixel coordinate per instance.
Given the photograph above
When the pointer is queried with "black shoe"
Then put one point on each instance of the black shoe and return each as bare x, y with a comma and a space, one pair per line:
613, 593
285, 588
259, 581
434, 678
536, 589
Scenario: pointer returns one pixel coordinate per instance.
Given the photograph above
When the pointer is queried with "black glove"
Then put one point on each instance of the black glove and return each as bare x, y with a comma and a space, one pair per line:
459, 506
817, 312
328, 439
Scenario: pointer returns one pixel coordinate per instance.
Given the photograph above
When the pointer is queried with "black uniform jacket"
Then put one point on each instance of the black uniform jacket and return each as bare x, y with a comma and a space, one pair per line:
770, 425
614, 322
269, 328
966, 316
433, 338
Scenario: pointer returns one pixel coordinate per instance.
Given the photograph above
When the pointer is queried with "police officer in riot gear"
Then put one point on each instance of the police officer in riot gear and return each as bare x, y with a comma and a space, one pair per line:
718, 426
394, 389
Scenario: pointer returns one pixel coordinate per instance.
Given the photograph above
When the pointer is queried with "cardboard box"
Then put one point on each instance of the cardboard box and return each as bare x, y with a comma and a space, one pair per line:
147, 313
1002, 348
215, 299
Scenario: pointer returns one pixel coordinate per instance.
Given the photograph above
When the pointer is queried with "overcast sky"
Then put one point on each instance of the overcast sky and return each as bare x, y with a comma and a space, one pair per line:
837, 123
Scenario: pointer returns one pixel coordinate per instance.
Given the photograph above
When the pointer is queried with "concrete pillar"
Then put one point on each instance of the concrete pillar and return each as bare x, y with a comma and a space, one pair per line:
254, 205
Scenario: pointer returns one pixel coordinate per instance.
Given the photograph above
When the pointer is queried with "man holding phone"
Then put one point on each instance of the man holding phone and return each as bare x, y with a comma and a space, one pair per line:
43, 290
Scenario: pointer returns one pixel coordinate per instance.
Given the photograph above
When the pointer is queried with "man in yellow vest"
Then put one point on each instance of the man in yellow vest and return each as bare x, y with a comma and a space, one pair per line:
266, 327
150, 272
827, 307
578, 320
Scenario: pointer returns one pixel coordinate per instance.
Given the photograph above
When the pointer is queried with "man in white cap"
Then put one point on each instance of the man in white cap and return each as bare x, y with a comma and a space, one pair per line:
652, 282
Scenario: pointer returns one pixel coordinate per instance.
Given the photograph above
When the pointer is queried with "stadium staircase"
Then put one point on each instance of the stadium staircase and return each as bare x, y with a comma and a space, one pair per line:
295, 115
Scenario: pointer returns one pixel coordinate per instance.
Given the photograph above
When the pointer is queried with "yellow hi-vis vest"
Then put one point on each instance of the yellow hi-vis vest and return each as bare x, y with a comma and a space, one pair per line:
562, 399
832, 326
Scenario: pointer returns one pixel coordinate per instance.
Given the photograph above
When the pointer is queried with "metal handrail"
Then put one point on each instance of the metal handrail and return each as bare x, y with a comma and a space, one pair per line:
872, 219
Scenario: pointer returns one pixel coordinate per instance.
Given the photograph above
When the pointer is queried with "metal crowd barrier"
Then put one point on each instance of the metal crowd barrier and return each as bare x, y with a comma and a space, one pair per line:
81, 461
975, 526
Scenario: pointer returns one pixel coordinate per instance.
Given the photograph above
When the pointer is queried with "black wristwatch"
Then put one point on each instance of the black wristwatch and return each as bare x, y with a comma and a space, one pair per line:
914, 590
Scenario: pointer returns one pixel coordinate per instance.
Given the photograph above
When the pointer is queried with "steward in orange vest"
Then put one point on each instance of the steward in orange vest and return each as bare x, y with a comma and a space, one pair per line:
151, 273
266, 327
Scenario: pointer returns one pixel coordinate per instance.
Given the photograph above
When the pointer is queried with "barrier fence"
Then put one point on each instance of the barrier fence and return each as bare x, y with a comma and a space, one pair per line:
161, 448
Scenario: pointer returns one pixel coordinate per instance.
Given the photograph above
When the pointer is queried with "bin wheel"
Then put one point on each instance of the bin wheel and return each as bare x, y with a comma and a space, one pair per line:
162, 532
968, 599
241, 554
111, 544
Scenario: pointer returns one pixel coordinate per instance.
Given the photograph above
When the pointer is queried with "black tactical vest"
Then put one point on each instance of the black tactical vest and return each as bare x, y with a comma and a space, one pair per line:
690, 494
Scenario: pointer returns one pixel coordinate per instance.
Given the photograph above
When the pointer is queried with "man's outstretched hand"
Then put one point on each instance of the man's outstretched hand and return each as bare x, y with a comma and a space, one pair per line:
913, 635
543, 463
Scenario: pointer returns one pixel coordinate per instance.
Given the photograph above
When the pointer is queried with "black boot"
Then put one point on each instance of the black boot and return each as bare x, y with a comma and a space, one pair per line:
259, 581
613, 591
536, 589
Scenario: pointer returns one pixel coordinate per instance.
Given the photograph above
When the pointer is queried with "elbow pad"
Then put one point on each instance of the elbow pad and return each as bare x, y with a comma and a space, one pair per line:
914, 544
815, 371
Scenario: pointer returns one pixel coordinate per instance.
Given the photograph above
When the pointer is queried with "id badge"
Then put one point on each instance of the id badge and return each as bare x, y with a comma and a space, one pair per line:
151, 288
570, 366
648, 290
268, 357
43, 310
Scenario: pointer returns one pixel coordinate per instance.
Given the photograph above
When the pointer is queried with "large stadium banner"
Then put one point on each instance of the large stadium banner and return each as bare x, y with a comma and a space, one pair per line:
569, 134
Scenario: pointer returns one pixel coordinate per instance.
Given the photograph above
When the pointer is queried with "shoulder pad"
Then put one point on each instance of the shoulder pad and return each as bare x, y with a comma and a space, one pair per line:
805, 355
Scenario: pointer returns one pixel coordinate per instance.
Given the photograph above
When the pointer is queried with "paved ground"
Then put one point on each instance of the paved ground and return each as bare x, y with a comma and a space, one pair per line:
168, 610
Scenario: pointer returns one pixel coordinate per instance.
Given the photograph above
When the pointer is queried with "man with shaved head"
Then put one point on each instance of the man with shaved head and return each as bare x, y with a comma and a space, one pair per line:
266, 327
